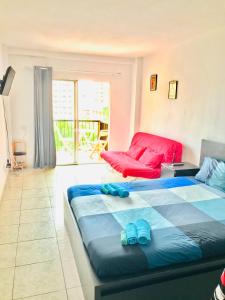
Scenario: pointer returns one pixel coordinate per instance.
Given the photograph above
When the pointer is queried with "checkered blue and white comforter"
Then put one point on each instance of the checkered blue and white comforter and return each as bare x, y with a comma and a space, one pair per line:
187, 220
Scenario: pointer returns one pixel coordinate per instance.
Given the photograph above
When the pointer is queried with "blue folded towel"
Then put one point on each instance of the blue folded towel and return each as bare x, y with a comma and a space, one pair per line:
108, 189
121, 191
112, 190
143, 231
123, 238
104, 189
131, 232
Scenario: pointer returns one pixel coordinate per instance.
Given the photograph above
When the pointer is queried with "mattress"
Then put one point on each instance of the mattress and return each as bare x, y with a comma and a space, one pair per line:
187, 221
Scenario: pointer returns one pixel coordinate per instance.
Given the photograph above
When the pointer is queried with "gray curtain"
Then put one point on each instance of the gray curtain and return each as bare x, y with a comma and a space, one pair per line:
44, 147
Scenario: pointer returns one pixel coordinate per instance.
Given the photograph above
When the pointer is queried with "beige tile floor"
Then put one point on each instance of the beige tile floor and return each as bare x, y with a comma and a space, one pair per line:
36, 259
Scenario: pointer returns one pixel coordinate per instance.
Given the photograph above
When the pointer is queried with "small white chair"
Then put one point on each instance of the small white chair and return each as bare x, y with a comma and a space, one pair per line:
19, 154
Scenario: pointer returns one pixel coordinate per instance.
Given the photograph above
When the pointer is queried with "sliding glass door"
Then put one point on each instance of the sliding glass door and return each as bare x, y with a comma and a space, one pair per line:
64, 117
81, 120
93, 119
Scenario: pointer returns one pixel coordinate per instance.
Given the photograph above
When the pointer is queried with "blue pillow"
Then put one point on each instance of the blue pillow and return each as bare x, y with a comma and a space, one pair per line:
217, 180
209, 164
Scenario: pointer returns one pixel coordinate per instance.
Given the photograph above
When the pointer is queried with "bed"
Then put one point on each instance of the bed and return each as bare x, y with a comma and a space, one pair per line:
188, 238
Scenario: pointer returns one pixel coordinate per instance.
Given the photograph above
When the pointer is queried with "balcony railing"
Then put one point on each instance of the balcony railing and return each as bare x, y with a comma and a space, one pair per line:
69, 138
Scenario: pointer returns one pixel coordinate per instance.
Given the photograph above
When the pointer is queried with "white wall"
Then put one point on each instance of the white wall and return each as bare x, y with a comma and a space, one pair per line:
116, 70
199, 111
3, 142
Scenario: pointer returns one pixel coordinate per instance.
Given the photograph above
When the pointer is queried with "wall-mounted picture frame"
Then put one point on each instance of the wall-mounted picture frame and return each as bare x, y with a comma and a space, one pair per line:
153, 82
172, 94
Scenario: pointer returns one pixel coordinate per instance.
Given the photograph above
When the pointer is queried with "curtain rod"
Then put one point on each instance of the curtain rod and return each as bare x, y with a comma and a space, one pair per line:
118, 74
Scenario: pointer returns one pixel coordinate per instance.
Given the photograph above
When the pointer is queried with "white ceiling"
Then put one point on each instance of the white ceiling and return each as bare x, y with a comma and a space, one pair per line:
108, 27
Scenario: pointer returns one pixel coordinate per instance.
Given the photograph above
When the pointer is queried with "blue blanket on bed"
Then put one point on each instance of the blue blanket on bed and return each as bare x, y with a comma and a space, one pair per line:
187, 220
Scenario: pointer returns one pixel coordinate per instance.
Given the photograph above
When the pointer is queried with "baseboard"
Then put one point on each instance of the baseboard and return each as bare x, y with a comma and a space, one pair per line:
4, 185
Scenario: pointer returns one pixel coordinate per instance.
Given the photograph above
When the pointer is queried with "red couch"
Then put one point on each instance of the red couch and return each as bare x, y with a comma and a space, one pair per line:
145, 155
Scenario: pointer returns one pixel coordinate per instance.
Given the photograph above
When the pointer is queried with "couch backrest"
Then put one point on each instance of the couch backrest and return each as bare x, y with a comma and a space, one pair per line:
172, 150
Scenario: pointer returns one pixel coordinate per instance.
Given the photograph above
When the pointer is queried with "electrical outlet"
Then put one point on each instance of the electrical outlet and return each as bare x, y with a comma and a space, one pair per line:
8, 164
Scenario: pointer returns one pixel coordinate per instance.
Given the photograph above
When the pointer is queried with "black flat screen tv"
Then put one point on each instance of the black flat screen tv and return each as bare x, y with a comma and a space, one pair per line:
6, 83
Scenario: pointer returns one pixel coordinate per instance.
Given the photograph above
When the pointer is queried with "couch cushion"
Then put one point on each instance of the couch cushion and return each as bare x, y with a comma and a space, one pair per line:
172, 150
119, 160
151, 159
135, 151
126, 165
142, 171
